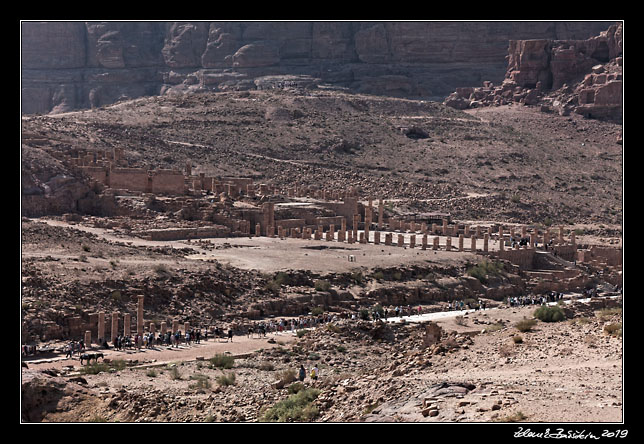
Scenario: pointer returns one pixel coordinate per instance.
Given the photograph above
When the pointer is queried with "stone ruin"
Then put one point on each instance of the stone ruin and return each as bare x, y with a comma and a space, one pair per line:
236, 206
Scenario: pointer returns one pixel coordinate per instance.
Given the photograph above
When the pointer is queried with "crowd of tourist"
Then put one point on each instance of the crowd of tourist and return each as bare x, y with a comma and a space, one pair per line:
519, 301
149, 339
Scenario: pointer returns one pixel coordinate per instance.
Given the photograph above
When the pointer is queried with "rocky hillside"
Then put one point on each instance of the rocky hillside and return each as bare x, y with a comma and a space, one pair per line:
505, 163
74, 65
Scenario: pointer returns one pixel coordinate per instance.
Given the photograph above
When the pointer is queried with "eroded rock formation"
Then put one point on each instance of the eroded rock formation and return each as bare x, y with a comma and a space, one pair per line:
74, 65
563, 76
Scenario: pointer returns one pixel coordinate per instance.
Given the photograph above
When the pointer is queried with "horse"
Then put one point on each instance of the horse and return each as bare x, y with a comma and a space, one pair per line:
89, 356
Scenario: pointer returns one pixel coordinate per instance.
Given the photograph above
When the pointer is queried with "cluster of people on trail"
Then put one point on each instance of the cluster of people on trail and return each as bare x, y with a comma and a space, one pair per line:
551, 296
463, 305
313, 374
148, 340
284, 325
74, 347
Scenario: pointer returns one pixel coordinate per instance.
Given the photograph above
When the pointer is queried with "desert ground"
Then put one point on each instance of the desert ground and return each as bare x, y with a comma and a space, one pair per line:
496, 165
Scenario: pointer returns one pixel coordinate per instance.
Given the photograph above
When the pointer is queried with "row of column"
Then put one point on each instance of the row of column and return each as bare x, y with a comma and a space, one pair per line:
127, 322
352, 236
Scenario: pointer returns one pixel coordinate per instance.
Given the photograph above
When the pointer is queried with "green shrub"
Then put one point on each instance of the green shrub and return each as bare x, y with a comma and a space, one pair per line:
547, 313
203, 382
98, 367
267, 366
614, 329
364, 314
483, 270
222, 361
295, 388
297, 407
316, 311
226, 379
525, 325
517, 339
322, 285
174, 373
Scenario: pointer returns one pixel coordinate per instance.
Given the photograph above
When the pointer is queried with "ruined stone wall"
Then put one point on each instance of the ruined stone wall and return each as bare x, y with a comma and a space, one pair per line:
346, 208
290, 223
139, 179
522, 257
610, 256
167, 234
168, 182
133, 179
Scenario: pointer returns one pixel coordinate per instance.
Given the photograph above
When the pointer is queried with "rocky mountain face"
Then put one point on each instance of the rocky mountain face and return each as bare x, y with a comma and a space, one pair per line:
75, 65
564, 76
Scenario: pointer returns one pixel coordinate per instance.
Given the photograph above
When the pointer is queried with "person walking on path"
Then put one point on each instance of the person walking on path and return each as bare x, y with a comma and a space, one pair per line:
315, 372
230, 334
302, 374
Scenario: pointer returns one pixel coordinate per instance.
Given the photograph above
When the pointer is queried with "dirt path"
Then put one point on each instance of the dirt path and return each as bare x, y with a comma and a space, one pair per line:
159, 355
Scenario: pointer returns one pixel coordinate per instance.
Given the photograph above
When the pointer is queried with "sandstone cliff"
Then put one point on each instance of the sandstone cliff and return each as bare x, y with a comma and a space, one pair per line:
582, 76
74, 65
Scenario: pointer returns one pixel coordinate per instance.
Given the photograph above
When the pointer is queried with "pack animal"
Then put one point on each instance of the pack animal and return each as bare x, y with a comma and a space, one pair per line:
90, 356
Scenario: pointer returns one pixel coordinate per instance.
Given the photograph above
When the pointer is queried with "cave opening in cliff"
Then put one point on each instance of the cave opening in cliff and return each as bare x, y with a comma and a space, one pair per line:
601, 53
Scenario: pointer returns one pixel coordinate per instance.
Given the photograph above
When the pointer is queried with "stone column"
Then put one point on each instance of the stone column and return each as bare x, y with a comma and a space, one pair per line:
444, 227
433, 228
460, 242
501, 239
448, 243
561, 234
363, 240
127, 323
572, 238
473, 245
101, 327
376, 237
164, 327
186, 327
350, 238
381, 213
435, 246
388, 237
175, 326
531, 240
115, 325
153, 327
88, 338
139, 316
486, 237
412, 241
258, 230
478, 232
424, 242
356, 222
523, 231
401, 240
